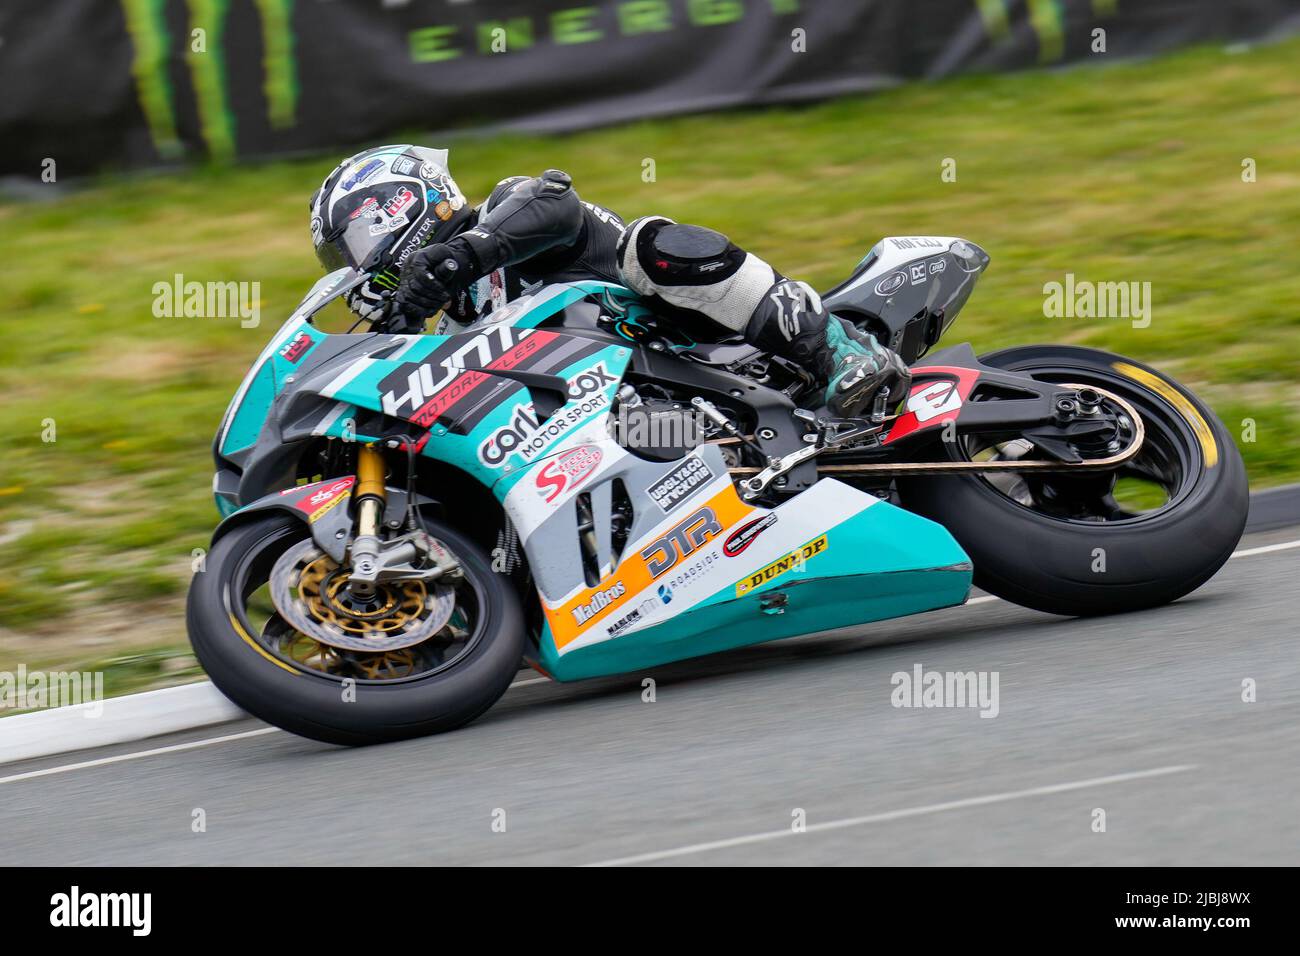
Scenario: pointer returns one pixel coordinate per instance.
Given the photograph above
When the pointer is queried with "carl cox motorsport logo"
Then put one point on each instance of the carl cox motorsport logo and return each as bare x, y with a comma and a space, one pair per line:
454, 386
527, 433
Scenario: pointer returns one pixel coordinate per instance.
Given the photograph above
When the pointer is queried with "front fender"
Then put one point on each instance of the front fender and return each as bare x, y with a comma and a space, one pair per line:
324, 507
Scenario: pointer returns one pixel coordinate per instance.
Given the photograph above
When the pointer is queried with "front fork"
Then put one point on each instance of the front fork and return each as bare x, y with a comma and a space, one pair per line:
370, 502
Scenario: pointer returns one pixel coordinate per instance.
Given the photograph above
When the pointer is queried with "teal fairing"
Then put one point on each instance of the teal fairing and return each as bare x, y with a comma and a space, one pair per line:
307, 384
248, 411
365, 388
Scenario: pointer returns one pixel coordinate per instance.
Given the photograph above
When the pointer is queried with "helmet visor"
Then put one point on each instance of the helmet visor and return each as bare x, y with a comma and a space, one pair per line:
366, 226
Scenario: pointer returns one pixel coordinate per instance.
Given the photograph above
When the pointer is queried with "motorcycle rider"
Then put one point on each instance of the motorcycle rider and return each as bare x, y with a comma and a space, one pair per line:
396, 211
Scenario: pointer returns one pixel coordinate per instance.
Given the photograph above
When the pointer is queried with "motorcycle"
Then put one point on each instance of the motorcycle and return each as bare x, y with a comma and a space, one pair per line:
407, 517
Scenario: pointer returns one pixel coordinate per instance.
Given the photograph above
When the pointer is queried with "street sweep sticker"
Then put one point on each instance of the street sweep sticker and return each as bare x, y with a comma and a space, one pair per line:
787, 562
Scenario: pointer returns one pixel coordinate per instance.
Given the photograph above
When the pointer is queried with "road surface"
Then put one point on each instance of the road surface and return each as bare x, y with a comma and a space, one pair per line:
1139, 716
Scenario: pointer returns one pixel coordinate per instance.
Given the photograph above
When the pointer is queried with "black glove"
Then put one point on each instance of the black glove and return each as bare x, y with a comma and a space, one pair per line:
431, 278
399, 323
373, 303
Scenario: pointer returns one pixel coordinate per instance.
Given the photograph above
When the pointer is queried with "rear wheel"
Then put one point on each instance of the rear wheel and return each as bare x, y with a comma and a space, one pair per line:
1142, 535
444, 658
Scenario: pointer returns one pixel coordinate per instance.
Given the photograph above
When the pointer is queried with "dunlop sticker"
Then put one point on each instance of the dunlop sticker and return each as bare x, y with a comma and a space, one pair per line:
787, 562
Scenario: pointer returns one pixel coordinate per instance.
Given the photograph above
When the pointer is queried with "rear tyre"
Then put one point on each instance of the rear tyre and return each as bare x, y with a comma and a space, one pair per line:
284, 677
1153, 531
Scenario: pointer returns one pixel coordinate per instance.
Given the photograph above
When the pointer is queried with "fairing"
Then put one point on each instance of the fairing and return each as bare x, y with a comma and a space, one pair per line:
525, 410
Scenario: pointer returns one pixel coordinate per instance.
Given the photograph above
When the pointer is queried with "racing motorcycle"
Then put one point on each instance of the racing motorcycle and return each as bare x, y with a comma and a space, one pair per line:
406, 517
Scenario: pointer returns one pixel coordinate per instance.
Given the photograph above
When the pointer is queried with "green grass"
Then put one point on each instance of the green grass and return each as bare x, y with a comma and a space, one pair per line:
1127, 172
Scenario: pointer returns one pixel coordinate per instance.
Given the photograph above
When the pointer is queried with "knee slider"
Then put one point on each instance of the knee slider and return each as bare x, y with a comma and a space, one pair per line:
692, 267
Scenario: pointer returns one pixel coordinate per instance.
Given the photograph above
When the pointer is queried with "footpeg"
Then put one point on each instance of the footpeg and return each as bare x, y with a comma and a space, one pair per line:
831, 434
880, 406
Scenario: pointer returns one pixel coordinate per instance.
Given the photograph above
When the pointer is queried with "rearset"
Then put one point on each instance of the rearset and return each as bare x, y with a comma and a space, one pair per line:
830, 434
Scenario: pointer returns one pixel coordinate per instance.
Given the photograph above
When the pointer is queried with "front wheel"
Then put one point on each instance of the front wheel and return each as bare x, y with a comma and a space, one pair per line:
443, 661
1145, 534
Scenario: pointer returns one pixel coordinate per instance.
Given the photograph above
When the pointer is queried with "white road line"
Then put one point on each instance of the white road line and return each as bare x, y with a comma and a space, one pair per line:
191, 745
982, 599
121, 758
897, 815
1265, 549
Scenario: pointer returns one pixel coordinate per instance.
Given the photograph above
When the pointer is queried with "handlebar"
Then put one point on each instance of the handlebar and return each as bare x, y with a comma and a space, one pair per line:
445, 270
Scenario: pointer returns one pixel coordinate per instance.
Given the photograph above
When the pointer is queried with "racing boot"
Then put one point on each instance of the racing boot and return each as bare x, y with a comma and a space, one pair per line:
850, 366
861, 369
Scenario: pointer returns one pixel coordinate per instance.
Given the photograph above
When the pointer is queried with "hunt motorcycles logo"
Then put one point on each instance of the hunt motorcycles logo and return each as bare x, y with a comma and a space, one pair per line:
526, 434
425, 391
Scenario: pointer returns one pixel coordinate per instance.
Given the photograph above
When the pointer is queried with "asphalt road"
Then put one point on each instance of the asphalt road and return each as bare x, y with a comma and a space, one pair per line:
1140, 716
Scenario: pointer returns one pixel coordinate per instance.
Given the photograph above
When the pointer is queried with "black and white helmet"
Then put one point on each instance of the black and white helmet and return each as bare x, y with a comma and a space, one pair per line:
379, 206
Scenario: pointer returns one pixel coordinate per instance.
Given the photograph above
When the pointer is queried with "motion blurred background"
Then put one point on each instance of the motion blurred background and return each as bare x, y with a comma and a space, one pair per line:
1154, 141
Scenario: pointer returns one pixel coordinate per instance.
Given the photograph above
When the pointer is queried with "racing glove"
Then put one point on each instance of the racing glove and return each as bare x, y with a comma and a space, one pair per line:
431, 278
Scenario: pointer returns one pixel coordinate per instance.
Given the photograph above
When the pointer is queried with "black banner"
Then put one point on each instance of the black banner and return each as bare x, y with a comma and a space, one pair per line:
104, 83
1232, 909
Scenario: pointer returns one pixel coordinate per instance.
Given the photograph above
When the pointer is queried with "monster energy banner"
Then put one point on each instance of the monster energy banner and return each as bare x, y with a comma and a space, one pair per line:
104, 83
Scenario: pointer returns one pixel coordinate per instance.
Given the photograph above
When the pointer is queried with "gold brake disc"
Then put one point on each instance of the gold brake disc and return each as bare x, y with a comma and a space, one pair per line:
309, 589
312, 654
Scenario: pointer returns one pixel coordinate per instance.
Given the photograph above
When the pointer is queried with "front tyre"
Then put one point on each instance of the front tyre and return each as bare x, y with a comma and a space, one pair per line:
340, 696
1148, 533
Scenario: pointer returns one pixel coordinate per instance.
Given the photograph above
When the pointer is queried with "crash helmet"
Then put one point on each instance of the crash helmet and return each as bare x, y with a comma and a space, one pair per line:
379, 206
